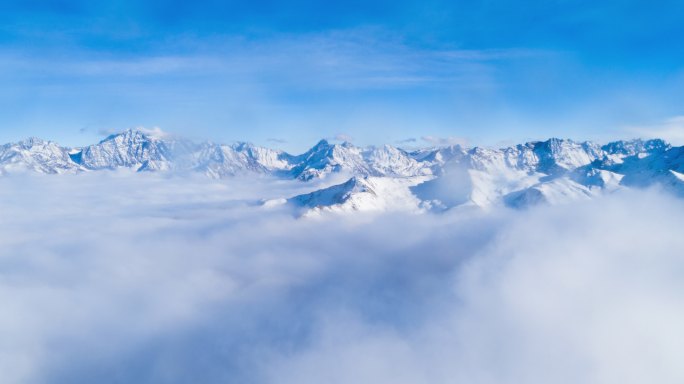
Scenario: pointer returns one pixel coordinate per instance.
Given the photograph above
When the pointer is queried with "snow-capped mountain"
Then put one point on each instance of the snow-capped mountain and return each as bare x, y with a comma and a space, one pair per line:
362, 193
384, 177
129, 149
36, 155
325, 158
219, 161
553, 171
394, 162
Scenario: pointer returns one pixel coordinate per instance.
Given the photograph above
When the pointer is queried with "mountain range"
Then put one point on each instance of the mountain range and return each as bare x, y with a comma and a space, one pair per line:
383, 177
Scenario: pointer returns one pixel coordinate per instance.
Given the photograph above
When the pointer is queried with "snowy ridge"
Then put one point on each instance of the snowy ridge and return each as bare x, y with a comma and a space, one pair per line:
385, 177
361, 193
130, 149
36, 155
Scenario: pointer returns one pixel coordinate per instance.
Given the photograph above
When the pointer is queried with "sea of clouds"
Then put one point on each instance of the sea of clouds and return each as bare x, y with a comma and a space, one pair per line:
120, 278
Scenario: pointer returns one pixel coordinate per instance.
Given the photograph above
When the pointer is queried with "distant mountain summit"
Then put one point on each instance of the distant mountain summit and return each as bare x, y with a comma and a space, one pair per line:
383, 177
129, 149
35, 155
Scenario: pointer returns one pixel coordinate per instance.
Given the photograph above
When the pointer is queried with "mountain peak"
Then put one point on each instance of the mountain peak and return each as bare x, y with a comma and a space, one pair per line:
336, 194
32, 141
242, 145
149, 150
139, 133
634, 146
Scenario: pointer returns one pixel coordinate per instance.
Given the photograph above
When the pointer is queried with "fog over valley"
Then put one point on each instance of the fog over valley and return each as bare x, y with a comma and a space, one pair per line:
123, 277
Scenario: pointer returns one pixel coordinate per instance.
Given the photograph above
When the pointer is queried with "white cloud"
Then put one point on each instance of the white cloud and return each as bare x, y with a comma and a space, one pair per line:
149, 279
342, 137
276, 140
563, 295
670, 130
343, 59
445, 141
155, 132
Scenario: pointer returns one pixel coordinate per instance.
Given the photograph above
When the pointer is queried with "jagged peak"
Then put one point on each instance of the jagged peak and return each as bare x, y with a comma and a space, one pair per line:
242, 146
336, 194
357, 184
388, 148
139, 133
324, 149
633, 146
245, 146
358, 180
134, 146
441, 148
321, 146
323, 143
125, 134
555, 143
33, 141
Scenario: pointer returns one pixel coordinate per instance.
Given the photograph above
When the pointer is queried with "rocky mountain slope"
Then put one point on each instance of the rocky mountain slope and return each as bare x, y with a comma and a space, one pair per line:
381, 178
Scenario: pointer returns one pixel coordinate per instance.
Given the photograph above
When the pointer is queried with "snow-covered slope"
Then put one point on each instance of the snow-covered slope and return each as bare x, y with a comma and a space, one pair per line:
645, 169
36, 155
553, 172
325, 158
393, 162
129, 149
383, 177
361, 193
219, 161
556, 191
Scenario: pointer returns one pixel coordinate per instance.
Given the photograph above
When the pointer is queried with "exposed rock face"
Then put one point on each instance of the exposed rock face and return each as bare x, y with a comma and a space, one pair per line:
551, 171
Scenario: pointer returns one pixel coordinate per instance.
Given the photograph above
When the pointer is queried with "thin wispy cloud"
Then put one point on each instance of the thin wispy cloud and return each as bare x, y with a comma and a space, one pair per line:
225, 85
670, 130
276, 140
342, 137
223, 70
354, 59
445, 141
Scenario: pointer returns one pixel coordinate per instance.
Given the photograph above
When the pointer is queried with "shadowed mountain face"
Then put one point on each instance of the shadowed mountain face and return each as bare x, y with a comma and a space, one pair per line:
551, 171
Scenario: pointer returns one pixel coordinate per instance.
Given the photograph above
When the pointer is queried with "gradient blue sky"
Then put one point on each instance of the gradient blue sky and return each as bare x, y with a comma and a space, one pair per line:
286, 74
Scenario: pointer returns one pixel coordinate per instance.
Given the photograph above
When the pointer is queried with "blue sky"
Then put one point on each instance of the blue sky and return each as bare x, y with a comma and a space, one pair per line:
289, 73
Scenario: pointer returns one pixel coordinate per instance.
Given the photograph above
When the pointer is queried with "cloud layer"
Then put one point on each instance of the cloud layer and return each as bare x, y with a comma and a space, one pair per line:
124, 278
670, 130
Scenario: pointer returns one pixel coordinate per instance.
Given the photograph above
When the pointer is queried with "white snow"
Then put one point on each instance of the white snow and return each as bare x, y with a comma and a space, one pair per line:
383, 177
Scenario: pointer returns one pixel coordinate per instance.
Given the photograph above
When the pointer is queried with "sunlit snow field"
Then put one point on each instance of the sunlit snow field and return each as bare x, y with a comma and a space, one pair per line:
130, 278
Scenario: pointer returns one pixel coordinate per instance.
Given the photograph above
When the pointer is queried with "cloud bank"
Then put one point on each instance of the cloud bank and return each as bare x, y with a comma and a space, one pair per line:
121, 278
444, 141
670, 130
